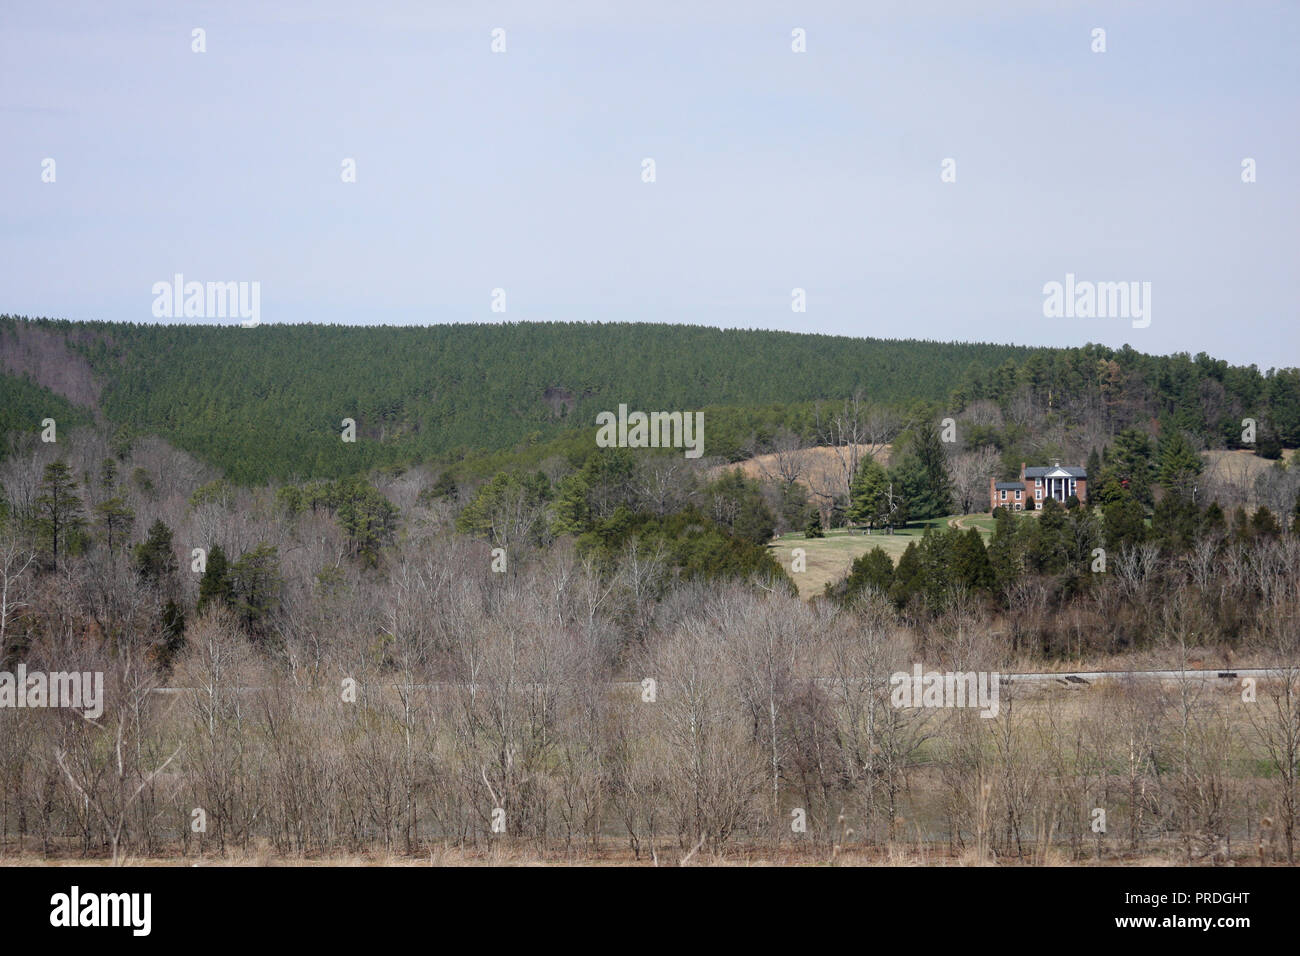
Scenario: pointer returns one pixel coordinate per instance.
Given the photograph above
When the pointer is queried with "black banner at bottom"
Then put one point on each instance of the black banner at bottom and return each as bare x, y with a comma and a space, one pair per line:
336, 905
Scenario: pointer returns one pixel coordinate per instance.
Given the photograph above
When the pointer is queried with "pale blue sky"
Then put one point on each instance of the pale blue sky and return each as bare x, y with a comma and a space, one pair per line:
775, 170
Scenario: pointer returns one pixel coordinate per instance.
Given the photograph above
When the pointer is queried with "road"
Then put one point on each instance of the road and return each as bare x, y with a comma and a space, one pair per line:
1042, 677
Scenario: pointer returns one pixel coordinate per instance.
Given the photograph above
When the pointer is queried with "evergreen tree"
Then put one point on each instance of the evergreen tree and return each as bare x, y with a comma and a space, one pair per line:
906, 576
872, 570
155, 561
937, 570
1241, 529
1130, 464
1050, 544
445, 486
923, 472
508, 507
869, 495
1269, 443
1213, 521
570, 514
1264, 524
737, 504
215, 585
254, 586
1125, 524
1176, 522
1093, 466
290, 499
813, 529
1107, 490
611, 473
367, 518
113, 518
1180, 466
696, 546
971, 561
1006, 551
58, 515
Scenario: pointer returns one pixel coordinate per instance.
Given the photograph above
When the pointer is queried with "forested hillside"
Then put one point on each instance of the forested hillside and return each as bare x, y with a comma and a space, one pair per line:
24, 405
268, 403
1119, 388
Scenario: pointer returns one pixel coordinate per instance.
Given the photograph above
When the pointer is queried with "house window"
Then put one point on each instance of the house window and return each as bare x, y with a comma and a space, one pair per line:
1018, 494
1020, 507
1004, 494
1038, 492
1071, 486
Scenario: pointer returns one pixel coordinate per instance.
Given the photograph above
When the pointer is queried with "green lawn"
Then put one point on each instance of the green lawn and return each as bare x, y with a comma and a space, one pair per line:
828, 559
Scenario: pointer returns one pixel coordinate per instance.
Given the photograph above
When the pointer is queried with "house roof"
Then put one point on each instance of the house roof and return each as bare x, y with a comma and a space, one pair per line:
1056, 471
1008, 486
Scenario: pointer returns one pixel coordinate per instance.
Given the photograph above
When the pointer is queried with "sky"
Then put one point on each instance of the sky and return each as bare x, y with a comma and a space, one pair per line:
775, 170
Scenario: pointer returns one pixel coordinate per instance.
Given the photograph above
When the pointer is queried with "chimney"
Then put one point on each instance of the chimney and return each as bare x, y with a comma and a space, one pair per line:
1022, 471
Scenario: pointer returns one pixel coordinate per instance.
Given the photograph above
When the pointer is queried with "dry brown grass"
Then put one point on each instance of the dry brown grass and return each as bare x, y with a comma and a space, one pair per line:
822, 468
1239, 469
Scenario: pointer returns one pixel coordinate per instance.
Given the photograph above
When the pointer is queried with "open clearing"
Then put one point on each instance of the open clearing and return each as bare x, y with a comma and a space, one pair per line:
1239, 469
821, 465
829, 558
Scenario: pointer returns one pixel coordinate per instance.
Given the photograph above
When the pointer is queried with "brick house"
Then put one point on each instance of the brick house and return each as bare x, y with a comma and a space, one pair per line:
1036, 485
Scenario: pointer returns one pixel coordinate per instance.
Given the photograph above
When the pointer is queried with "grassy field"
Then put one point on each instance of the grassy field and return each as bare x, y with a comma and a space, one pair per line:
821, 465
829, 558
1239, 469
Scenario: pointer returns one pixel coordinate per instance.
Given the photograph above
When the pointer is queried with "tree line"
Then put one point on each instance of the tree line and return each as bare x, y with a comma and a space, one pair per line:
270, 404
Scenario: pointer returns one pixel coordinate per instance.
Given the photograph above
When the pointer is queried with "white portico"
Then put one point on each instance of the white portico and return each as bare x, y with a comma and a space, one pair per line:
1056, 481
